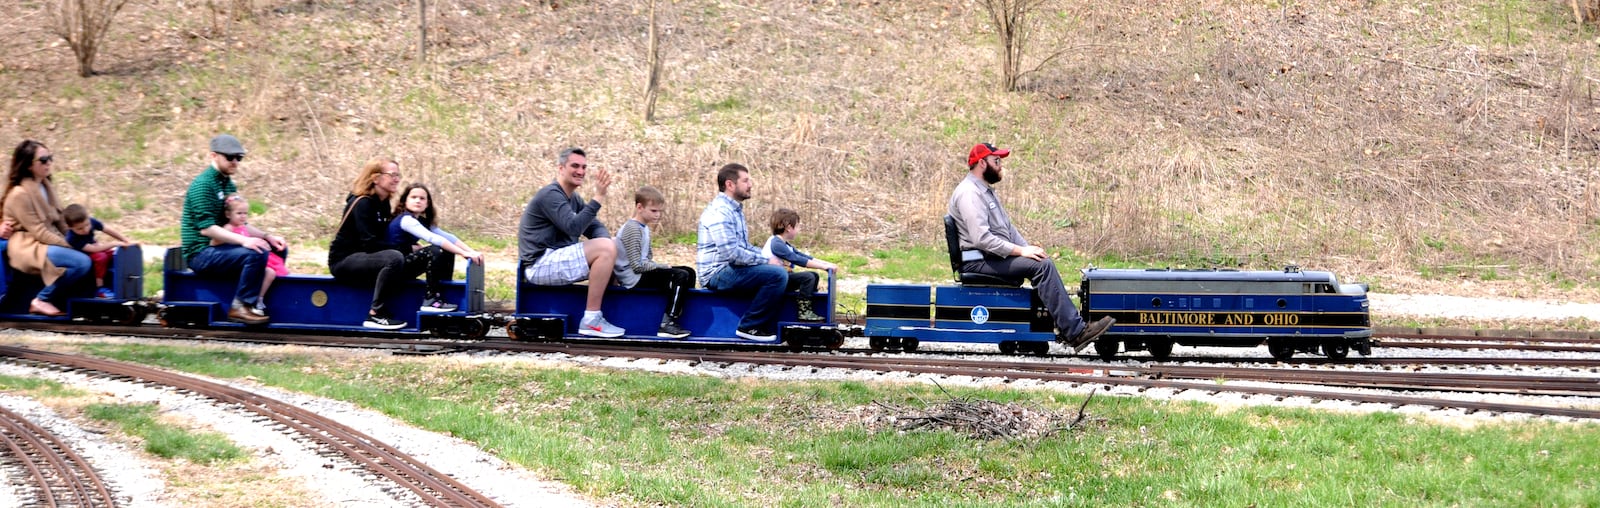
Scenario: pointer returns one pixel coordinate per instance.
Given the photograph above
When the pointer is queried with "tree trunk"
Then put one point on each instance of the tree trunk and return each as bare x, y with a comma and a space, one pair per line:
653, 61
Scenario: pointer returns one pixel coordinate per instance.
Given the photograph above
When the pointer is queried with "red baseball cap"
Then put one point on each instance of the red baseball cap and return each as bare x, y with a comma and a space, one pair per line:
981, 150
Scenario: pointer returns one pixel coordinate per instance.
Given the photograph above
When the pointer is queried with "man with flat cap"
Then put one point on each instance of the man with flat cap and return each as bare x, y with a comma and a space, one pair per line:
215, 252
991, 245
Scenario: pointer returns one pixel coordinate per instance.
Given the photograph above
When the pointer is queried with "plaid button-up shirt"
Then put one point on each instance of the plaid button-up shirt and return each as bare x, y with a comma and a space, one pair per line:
723, 239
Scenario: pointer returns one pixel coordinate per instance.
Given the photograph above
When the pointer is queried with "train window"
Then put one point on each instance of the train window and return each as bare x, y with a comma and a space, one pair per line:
1325, 288
1155, 302
1249, 303
1216, 303
1282, 303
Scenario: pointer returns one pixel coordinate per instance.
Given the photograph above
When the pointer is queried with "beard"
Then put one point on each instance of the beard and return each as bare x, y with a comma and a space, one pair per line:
991, 175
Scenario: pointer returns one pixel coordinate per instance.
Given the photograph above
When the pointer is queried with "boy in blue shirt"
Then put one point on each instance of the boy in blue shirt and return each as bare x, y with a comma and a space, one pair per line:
785, 226
80, 235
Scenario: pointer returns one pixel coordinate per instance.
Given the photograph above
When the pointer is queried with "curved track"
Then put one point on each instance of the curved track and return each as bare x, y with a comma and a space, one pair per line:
56, 475
430, 486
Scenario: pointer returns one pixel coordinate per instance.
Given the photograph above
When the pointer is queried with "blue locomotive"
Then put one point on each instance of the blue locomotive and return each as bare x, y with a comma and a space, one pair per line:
1291, 311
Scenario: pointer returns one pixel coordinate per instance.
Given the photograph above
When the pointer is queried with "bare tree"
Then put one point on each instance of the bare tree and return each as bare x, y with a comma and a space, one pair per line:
1012, 25
422, 27
652, 85
83, 24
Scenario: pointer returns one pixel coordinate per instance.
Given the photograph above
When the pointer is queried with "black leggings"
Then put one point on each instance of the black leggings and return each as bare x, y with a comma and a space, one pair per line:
675, 280
389, 270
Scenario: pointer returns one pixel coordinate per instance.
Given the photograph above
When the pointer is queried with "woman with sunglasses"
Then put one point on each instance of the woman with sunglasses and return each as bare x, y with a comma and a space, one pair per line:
39, 246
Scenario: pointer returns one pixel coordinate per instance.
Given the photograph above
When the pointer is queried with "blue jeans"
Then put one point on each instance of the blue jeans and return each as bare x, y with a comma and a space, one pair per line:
76, 263
220, 261
766, 281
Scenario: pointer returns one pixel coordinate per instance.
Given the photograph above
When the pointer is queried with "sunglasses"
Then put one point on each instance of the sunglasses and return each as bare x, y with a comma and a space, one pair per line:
47, 159
232, 157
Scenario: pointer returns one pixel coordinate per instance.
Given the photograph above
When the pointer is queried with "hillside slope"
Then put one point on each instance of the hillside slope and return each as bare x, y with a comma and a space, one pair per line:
1385, 140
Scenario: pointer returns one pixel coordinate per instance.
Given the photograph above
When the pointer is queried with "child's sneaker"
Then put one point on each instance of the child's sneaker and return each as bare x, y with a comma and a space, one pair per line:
600, 328
437, 304
671, 330
383, 323
104, 293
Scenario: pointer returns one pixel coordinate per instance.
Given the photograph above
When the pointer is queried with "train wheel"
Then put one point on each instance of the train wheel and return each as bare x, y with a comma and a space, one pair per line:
1335, 349
877, 343
130, 316
1160, 349
514, 331
908, 345
834, 341
1365, 348
1040, 348
1280, 351
1106, 348
1008, 347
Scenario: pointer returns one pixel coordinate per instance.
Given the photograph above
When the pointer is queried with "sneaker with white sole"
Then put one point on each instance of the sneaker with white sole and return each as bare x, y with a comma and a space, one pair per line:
436, 304
754, 334
600, 328
671, 330
383, 323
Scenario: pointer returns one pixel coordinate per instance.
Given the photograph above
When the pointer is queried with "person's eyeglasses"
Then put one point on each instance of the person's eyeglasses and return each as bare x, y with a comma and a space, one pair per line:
47, 159
575, 165
232, 157
395, 174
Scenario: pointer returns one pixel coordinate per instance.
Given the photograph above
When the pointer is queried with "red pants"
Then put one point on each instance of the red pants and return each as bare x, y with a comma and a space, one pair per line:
102, 262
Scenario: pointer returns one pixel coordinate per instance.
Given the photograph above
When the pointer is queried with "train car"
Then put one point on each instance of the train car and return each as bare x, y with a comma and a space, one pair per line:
1291, 311
319, 303
125, 278
548, 313
979, 309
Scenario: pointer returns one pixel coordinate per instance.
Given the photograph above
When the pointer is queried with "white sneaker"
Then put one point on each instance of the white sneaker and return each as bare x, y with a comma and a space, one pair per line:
600, 328
753, 334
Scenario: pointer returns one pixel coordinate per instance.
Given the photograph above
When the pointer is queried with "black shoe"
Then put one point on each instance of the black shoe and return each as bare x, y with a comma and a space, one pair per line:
1090, 333
671, 330
754, 334
383, 323
437, 304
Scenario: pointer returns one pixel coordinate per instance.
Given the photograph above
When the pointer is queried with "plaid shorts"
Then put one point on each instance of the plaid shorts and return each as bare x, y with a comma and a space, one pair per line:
559, 267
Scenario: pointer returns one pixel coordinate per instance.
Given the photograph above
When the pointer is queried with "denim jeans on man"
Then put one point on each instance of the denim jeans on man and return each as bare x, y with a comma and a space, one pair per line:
219, 261
766, 281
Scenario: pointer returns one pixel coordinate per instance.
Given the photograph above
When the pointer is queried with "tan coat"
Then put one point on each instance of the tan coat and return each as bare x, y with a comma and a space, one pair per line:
39, 225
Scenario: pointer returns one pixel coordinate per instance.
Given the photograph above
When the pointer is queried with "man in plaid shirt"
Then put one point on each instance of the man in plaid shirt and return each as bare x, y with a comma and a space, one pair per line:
727, 261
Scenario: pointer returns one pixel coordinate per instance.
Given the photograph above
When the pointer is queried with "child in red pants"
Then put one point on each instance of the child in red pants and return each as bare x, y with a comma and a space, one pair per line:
80, 235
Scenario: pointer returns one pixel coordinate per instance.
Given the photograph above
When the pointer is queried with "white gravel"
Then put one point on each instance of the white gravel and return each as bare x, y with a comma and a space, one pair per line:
338, 481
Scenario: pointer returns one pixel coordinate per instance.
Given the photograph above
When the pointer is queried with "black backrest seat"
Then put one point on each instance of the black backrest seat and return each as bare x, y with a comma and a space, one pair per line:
952, 242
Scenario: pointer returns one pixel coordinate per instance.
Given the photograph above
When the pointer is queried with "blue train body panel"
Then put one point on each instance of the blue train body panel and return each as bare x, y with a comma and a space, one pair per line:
986, 315
312, 302
124, 276
710, 316
1289, 310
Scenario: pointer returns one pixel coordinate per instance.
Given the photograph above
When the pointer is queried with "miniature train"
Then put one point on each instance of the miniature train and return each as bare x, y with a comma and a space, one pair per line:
1291, 311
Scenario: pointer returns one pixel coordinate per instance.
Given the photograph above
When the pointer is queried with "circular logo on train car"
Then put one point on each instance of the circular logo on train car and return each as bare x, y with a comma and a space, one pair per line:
980, 314
319, 298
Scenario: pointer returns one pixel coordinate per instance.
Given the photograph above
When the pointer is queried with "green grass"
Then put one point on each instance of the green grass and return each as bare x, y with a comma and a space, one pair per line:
703, 441
37, 387
165, 440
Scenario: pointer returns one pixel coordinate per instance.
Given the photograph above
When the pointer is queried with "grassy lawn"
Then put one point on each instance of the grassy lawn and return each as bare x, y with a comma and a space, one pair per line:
702, 441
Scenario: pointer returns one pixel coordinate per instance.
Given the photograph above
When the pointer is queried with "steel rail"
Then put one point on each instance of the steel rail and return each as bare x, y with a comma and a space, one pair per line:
431, 486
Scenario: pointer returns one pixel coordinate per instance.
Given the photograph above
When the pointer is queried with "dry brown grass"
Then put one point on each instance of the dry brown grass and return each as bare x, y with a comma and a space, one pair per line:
1375, 139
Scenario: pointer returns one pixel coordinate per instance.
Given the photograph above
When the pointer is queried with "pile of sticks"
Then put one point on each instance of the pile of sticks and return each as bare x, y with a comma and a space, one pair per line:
985, 419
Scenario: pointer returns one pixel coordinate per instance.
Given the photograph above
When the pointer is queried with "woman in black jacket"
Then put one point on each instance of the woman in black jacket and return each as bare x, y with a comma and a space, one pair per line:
360, 252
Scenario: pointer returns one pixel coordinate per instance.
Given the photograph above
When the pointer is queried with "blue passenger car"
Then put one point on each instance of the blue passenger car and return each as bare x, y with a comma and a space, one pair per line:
125, 278
553, 312
320, 303
1291, 311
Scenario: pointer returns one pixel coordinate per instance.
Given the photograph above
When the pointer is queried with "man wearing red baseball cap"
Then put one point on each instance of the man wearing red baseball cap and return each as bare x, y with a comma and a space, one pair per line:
991, 245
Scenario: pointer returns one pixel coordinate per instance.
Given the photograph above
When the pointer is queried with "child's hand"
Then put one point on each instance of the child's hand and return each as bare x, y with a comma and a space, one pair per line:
829, 266
474, 256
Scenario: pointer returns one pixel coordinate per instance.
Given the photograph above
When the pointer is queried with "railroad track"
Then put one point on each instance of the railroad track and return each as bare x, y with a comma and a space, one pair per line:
1215, 379
55, 474
430, 487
